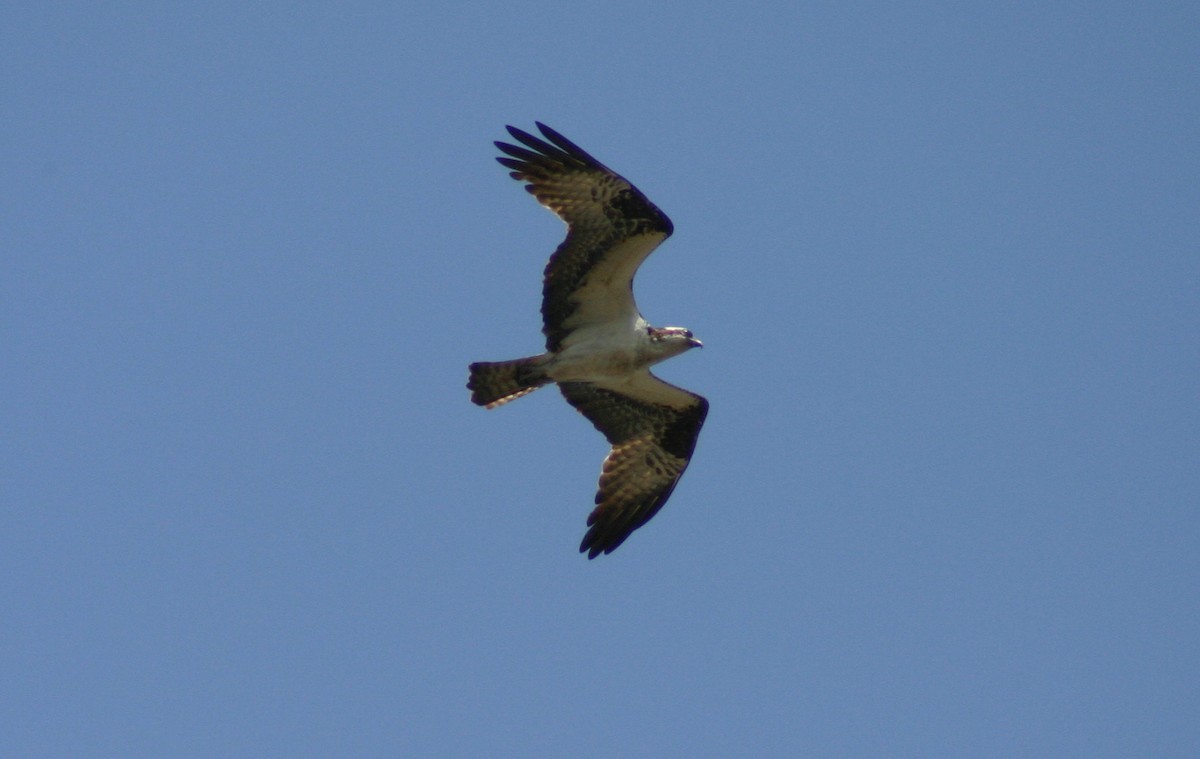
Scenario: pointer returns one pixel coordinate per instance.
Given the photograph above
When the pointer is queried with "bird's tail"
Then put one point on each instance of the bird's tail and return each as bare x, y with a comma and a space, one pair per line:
494, 383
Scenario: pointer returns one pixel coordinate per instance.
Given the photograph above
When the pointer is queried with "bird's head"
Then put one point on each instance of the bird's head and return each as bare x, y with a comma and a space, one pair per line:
671, 341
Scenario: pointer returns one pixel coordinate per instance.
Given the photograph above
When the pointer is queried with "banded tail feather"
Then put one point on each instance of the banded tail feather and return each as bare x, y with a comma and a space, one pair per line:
494, 383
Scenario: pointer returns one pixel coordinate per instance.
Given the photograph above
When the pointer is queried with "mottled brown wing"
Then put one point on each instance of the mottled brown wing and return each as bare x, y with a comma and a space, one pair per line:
652, 427
611, 229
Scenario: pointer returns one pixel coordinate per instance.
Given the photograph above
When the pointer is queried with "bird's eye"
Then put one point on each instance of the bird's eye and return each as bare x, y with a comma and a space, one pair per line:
687, 333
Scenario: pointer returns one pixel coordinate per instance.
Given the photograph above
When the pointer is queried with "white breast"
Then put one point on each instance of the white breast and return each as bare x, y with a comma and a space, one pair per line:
601, 350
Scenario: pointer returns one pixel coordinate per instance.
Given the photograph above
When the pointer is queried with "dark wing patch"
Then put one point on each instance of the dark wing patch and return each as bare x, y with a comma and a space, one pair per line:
652, 443
611, 228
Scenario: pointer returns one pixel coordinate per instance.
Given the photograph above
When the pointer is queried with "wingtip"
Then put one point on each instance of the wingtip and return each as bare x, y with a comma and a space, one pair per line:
589, 544
520, 135
592, 551
597, 542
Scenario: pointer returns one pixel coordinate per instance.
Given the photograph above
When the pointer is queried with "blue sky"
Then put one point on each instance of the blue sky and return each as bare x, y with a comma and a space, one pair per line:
944, 259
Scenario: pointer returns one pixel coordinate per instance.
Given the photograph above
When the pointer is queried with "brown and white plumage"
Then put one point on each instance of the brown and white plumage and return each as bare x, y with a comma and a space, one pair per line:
652, 427
598, 346
611, 229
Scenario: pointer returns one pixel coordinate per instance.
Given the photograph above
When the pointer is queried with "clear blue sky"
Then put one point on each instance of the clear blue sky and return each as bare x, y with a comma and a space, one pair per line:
945, 260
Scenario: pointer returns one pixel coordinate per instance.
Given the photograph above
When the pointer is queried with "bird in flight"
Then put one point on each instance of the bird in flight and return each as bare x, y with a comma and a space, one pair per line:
599, 349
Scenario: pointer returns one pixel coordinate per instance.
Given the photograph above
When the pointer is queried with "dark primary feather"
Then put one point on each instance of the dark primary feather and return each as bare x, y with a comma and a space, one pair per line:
611, 226
652, 444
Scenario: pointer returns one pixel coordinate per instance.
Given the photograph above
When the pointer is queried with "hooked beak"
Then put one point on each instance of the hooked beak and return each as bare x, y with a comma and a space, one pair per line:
695, 343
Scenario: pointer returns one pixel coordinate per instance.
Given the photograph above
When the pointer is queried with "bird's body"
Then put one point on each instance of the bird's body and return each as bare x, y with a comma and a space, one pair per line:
598, 346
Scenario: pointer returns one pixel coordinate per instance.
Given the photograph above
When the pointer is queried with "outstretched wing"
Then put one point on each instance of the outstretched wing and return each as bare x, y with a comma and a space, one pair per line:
611, 228
652, 426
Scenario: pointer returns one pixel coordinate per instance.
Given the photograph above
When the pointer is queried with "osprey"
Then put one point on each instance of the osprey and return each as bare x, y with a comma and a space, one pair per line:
598, 346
